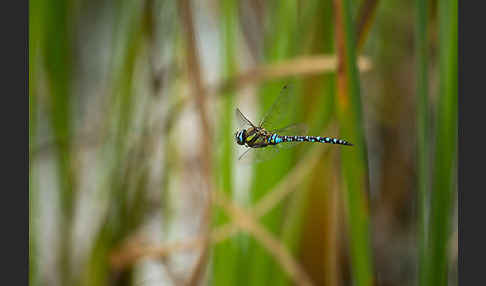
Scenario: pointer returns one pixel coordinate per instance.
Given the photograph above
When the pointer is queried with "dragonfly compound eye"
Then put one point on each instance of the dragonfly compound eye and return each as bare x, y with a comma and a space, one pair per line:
240, 137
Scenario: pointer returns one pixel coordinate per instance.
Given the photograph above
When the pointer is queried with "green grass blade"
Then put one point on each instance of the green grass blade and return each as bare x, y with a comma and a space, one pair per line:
267, 174
277, 46
59, 66
317, 111
225, 254
422, 132
354, 160
118, 168
292, 228
444, 185
35, 39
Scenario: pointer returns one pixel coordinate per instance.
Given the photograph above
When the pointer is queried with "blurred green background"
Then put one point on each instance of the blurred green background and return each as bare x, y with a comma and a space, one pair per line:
134, 177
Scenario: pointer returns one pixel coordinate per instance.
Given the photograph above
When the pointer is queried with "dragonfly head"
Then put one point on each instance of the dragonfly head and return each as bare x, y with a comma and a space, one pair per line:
240, 137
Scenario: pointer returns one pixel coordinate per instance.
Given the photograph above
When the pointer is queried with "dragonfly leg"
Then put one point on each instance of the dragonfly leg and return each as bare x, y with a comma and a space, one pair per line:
241, 156
260, 145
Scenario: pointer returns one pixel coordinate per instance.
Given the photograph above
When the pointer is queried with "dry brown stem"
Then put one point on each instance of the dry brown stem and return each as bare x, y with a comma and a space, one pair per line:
302, 66
249, 223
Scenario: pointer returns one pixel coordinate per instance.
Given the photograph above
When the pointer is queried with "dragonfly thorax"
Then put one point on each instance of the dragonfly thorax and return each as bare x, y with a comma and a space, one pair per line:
251, 136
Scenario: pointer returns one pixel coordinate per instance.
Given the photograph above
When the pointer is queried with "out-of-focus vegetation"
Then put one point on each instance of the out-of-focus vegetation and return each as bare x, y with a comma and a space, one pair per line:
134, 177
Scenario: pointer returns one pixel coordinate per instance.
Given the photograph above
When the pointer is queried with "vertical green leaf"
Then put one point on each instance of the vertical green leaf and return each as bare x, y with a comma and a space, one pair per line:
35, 32
58, 64
124, 213
422, 131
283, 18
316, 26
443, 193
354, 159
225, 254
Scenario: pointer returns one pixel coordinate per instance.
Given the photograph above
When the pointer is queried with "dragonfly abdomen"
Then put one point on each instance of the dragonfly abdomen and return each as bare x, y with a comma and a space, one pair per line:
276, 139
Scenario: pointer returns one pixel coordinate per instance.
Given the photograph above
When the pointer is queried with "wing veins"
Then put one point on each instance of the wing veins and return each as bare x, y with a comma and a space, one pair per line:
279, 103
242, 117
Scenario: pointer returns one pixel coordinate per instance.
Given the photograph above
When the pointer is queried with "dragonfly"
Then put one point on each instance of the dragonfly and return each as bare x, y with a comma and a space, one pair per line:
265, 140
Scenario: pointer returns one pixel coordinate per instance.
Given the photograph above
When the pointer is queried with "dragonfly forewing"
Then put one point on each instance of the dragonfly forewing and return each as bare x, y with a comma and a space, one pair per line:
258, 155
292, 129
242, 120
280, 111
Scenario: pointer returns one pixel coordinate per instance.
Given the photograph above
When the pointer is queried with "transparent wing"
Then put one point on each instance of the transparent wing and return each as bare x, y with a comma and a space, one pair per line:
242, 120
258, 155
298, 129
279, 111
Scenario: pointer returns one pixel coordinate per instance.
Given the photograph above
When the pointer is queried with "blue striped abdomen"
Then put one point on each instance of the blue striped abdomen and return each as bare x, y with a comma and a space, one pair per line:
276, 139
